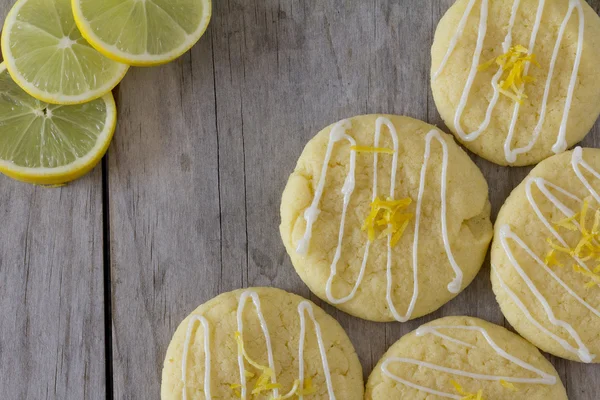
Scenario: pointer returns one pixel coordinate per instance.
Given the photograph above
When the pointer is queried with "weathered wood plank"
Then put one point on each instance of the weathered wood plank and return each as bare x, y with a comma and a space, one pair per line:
205, 146
51, 286
164, 213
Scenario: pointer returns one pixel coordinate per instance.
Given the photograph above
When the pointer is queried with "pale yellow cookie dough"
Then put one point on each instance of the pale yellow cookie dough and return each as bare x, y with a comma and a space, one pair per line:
449, 85
468, 225
480, 358
280, 310
519, 215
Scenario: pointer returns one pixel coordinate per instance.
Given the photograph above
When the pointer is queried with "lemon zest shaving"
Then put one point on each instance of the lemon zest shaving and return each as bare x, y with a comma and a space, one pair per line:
514, 61
508, 385
594, 275
588, 246
551, 259
567, 223
234, 387
466, 395
387, 213
296, 390
264, 381
367, 149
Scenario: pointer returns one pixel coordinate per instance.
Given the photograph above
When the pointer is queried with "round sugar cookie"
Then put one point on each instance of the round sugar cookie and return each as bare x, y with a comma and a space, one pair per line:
545, 256
516, 81
260, 344
376, 201
461, 358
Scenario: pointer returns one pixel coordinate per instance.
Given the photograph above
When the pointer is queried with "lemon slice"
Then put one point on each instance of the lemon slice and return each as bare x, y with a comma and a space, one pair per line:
51, 144
142, 32
47, 56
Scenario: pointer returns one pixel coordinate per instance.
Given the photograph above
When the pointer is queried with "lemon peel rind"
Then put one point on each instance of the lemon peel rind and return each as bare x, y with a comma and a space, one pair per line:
52, 98
74, 170
115, 54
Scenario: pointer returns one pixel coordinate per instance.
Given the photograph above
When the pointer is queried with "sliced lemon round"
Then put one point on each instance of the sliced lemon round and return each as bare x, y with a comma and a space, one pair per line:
47, 56
51, 144
142, 32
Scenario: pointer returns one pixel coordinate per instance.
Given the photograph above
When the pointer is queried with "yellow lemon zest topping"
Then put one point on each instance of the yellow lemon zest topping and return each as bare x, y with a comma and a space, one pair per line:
508, 385
514, 61
234, 387
386, 213
466, 395
296, 390
587, 248
594, 275
367, 149
551, 259
263, 383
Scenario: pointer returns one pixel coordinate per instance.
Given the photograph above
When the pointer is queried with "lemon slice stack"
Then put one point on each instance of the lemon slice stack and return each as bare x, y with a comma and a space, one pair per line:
62, 58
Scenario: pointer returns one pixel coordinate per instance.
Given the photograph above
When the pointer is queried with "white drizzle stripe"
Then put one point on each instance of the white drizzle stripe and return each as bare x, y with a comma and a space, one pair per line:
511, 154
263, 324
542, 186
576, 161
347, 191
528, 315
506, 233
454, 286
561, 143
454, 40
186, 346
473, 71
543, 377
303, 307
488, 115
338, 132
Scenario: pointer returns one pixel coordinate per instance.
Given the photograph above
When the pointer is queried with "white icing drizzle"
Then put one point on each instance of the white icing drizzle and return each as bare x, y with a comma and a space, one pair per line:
338, 132
186, 349
265, 329
528, 315
576, 162
543, 377
506, 233
305, 307
511, 154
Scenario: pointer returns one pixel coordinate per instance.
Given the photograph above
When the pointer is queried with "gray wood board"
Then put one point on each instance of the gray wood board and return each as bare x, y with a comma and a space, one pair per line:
229, 121
52, 327
202, 152
52, 291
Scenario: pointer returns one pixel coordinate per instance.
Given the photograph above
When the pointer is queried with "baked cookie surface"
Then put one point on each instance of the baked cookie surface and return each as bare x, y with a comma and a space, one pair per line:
378, 200
463, 358
545, 256
259, 344
516, 81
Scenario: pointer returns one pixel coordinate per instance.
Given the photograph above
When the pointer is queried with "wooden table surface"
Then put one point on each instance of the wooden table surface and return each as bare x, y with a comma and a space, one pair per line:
96, 276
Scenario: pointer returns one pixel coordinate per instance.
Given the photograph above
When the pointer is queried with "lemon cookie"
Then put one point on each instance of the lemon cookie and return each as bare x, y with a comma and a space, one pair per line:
260, 344
545, 256
517, 80
385, 217
463, 358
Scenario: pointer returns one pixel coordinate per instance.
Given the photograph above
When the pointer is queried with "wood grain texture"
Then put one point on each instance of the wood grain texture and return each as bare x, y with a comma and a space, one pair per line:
51, 291
202, 152
205, 146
